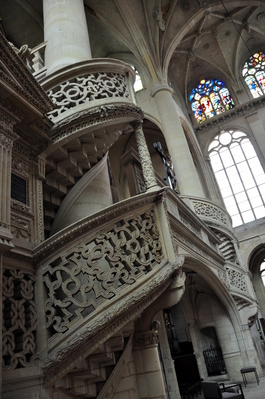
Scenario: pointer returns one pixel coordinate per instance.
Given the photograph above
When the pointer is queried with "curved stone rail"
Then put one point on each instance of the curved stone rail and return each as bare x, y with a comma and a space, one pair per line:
209, 212
90, 84
100, 273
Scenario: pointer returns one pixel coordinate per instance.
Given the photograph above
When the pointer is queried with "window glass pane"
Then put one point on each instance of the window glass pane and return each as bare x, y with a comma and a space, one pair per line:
253, 193
238, 188
244, 206
248, 216
256, 202
216, 162
248, 149
226, 192
226, 158
259, 212
237, 220
241, 197
237, 152
249, 183
260, 179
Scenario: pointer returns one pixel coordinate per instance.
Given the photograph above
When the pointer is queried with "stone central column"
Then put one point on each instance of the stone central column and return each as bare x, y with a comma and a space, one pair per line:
145, 159
186, 173
66, 33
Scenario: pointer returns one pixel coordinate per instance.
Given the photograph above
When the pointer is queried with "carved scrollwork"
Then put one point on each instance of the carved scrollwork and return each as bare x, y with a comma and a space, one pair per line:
236, 280
80, 280
19, 320
81, 90
208, 210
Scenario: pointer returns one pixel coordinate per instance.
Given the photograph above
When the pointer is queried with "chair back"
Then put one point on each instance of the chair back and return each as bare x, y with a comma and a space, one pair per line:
211, 390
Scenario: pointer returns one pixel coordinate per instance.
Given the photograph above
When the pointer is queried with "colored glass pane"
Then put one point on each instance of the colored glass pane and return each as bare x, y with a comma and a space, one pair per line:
253, 86
226, 98
207, 94
207, 107
197, 110
254, 74
217, 105
260, 76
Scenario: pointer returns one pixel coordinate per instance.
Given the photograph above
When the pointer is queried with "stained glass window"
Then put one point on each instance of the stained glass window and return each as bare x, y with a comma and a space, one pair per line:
240, 176
209, 98
254, 74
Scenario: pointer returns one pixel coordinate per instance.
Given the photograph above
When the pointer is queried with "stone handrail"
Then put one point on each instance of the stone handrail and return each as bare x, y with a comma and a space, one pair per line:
86, 85
209, 212
100, 273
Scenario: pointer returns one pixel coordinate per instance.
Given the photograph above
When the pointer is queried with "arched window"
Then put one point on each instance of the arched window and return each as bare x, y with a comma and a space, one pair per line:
254, 74
262, 271
138, 84
209, 98
240, 176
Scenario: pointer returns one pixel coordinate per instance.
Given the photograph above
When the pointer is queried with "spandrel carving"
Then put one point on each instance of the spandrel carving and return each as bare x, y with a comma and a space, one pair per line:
80, 280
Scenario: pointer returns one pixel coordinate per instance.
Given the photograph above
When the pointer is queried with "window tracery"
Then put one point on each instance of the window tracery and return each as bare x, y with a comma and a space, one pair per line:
240, 176
209, 98
254, 74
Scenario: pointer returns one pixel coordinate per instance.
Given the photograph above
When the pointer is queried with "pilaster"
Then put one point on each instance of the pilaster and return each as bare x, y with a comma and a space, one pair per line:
7, 137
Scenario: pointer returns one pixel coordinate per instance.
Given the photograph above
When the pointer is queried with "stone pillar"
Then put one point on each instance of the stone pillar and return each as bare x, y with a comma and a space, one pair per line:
186, 173
7, 137
147, 365
66, 33
145, 159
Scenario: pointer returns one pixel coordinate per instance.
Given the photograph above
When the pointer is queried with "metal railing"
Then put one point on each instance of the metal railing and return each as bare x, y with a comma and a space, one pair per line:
214, 361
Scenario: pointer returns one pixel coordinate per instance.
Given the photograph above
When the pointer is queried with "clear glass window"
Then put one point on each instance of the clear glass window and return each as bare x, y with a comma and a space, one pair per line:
240, 176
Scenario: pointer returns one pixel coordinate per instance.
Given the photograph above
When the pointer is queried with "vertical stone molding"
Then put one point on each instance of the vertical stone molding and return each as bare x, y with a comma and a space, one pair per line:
147, 167
66, 33
147, 365
187, 176
7, 138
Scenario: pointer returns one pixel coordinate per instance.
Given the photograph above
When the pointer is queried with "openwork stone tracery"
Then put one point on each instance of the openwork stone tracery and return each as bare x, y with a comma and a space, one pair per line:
19, 320
80, 90
79, 281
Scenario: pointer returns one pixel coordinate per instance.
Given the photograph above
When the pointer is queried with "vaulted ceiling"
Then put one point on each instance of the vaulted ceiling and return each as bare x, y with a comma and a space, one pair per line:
184, 39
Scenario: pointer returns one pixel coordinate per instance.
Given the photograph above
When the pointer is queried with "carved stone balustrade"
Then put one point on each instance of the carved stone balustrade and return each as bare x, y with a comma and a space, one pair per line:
209, 212
83, 86
103, 271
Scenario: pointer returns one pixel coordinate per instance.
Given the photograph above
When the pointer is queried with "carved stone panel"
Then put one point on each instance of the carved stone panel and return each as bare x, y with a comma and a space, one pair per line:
19, 320
81, 279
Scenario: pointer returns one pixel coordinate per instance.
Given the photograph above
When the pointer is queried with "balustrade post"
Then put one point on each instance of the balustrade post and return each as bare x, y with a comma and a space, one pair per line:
145, 159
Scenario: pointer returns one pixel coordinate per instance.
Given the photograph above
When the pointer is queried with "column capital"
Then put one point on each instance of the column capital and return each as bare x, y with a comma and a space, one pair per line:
164, 87
145, 339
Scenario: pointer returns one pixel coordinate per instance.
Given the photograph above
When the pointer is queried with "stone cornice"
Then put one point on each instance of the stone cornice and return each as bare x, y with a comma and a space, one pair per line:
22, 80
245, 110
